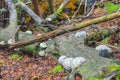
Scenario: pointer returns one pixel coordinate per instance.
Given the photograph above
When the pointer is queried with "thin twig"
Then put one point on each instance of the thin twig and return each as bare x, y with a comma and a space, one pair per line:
55, 15
74, 15
85, 8
91, 9
67, 17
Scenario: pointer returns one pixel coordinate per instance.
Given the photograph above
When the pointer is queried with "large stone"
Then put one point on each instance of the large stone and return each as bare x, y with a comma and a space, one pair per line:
72, 47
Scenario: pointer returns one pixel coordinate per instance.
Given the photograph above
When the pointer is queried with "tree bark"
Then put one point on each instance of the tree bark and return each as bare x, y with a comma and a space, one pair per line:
13, 14
65, 29
36, 7
50, 2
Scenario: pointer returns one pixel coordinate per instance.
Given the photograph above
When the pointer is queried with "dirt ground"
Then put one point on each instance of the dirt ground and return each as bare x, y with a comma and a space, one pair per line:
28, 68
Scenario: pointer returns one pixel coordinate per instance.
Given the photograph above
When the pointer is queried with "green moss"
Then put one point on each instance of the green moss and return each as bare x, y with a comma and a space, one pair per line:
94, 78
30, 47
55, 52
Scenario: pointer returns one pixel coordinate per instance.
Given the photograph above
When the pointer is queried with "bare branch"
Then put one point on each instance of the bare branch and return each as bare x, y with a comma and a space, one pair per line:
30, 12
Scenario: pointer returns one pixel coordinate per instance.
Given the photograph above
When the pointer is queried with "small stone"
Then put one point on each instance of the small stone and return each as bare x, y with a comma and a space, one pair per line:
2, 43
81, 34
81, 59
102, 47
61, 59
49, 19
43, 45
49, 39
42, 53
28, 32
39, 34
77, 62
11, 41
105, 53
67, 63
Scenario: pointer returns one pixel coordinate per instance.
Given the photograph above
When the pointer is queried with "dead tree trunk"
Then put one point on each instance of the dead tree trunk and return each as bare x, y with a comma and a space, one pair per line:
50, 2
36, 7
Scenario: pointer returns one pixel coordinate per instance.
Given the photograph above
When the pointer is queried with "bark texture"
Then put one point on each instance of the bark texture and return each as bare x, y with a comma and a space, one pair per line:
36, 7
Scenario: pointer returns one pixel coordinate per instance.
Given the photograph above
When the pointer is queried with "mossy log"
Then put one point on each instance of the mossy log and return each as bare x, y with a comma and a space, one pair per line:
98, 36
65, 29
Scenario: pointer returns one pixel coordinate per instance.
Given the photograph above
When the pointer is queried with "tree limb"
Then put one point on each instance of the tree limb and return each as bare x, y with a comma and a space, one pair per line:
30, 12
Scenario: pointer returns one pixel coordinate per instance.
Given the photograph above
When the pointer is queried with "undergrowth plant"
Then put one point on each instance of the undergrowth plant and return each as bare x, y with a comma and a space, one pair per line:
16, 56
111, 7
106, 40
92, 78
57, 69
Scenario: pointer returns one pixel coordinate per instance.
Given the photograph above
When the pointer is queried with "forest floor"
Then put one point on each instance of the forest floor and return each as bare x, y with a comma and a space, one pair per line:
35, 67
28, 67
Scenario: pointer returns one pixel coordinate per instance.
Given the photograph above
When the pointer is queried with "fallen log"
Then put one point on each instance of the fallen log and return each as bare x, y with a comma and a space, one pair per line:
65, 29
98, 36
